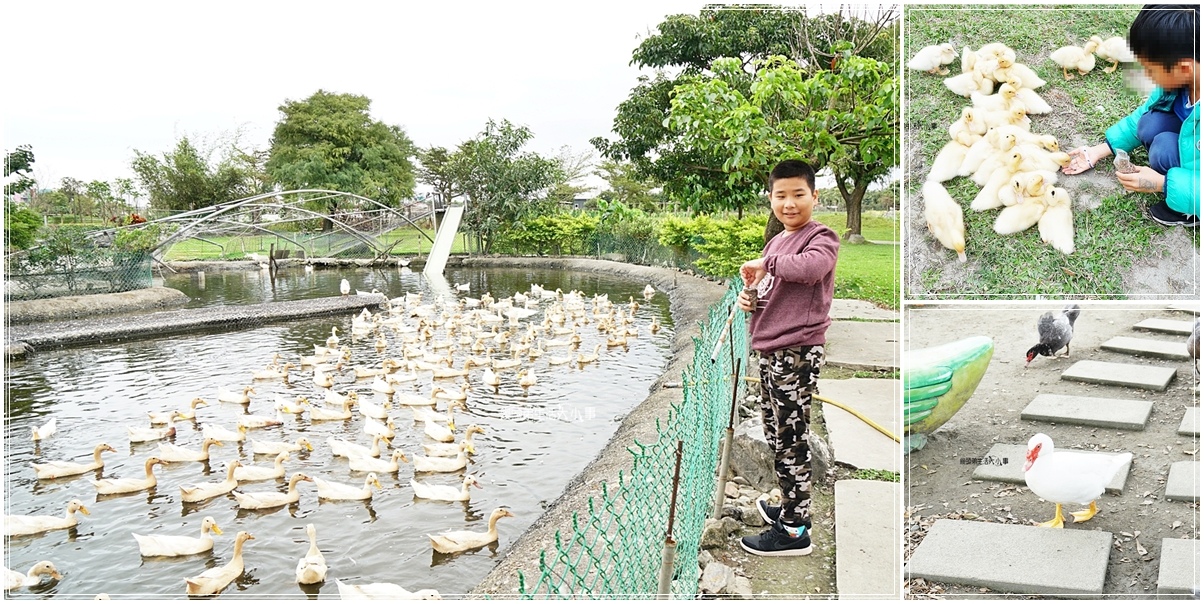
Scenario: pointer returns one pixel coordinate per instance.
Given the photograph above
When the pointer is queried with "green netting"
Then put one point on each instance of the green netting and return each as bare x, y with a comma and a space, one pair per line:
614, 547
38, 274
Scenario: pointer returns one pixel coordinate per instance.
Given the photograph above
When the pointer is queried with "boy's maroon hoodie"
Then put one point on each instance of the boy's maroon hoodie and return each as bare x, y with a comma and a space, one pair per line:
796, 294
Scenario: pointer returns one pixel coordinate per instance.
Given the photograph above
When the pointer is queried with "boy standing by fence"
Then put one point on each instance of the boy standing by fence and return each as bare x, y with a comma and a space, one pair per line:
793, 280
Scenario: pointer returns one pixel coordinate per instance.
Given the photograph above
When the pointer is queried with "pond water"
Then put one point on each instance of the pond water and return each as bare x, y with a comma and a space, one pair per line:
532, 445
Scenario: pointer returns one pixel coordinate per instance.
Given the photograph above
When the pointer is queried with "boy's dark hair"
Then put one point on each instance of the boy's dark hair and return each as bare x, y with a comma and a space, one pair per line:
1166, 33
792, 168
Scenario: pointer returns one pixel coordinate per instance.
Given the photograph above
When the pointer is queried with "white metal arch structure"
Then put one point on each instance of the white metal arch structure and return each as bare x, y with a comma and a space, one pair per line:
270, 214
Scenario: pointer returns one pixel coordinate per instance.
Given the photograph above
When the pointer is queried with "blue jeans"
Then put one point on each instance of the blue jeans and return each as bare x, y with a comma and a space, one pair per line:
1159, 132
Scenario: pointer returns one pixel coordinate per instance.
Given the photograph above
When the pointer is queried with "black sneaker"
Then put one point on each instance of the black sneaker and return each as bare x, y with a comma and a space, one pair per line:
775, 541
1164, 215
771, 513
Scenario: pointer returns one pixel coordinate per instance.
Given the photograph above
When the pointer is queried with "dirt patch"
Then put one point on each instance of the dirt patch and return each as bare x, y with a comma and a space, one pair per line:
1173, 265
939, 486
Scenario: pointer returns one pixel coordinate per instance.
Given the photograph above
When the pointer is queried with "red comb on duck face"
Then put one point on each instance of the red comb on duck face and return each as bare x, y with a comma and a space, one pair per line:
1031, 456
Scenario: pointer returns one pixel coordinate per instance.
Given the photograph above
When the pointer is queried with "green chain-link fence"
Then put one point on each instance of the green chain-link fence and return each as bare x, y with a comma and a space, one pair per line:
614, 548
47, 273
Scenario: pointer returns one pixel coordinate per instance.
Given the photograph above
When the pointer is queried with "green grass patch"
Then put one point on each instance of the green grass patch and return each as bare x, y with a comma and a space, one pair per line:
869, 474
869, 272
1108, 237
873, 225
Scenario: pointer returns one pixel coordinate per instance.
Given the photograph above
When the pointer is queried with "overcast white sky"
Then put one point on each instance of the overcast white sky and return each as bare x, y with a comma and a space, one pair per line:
89, 82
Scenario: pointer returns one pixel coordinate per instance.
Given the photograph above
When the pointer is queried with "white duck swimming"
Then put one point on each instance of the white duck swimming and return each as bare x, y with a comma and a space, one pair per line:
233, 396
423, 414
490, 378
383, 591
170, 452
142, 435
217, 432
192, 493
344, 448
173, 545
382, 386
454, 449
380, 466
438, 432
334, 399
16, 580
1066, 477
338, 491
253, 473
112, 486
375, 428
59, 469
31, 525
297, 407
333, 340
374, 410
417, 400
459, 541
260, 421
441, 464
273, 373
158, 418
260, 500
216, 579
318, 414
45, 430
268, 447
434, 492
312, 567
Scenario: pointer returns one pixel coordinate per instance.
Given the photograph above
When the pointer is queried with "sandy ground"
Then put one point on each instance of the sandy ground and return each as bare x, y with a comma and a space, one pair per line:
938, 486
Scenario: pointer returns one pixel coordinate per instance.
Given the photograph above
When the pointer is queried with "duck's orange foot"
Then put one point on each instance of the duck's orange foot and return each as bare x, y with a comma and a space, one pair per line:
1085, 515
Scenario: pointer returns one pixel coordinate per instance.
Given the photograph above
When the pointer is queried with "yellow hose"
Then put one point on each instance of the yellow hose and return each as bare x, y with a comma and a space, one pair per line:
855, 413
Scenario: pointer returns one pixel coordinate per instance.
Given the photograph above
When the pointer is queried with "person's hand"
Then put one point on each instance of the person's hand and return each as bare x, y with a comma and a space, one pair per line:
752, 271
743, 302
1085, 158
1144, 180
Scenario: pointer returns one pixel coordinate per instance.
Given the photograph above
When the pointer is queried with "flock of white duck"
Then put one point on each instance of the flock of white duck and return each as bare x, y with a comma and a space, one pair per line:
494, 343
993, 144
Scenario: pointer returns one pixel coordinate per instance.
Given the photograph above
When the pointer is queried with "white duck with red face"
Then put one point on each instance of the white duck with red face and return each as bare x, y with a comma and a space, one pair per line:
1066, 477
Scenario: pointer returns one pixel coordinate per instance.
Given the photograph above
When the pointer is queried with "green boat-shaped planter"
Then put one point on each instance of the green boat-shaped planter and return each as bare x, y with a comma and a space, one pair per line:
937, 381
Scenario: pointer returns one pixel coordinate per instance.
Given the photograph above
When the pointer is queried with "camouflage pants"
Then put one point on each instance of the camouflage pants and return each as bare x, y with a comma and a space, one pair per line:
788, 379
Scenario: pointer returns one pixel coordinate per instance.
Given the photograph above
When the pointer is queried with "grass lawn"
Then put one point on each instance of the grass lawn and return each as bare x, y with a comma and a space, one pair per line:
868, 271
1111, 229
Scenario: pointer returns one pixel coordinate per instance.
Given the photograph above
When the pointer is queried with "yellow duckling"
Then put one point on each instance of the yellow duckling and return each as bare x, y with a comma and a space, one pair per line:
1056, 225
233, 396
59, 469
15, 525
1016, 218
215, 580
170, 452
192, 493
1074, 57
343, 492
1114, 50
112, 486
171, 545
262, 500
15, 580
379, 466
944, 218
252, 473
460, 541
434, 492
311, 568
158, 418
452, 450
585, 359
45, 430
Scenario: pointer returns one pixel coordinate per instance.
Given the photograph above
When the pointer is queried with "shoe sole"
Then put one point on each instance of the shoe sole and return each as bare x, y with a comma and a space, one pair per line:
781, 553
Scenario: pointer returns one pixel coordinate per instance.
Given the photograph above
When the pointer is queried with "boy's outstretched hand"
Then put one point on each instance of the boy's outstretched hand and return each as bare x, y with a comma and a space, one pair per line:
1144, 180
752, 271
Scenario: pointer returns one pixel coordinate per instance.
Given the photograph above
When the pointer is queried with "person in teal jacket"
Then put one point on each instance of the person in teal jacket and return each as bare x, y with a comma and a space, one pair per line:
1165, 40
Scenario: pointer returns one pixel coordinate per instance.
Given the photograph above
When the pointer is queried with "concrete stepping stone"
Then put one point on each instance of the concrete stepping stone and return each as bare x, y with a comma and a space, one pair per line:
855, 442
868, 530
1120, 374
1179, 328
1190, 426
1183, 482
1124, 414
860, 309
1190, 307
1141, 347
1179, 567
1013, 558
863, 346
1005, 463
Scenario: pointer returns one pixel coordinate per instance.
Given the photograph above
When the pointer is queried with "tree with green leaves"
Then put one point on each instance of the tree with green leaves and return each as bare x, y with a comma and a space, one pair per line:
844, 119
21, 226
330, 141
627, 187
501, 182
19, 162
186, 179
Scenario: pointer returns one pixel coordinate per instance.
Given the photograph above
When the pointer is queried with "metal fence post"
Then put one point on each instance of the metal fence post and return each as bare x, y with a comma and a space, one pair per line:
669, 553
